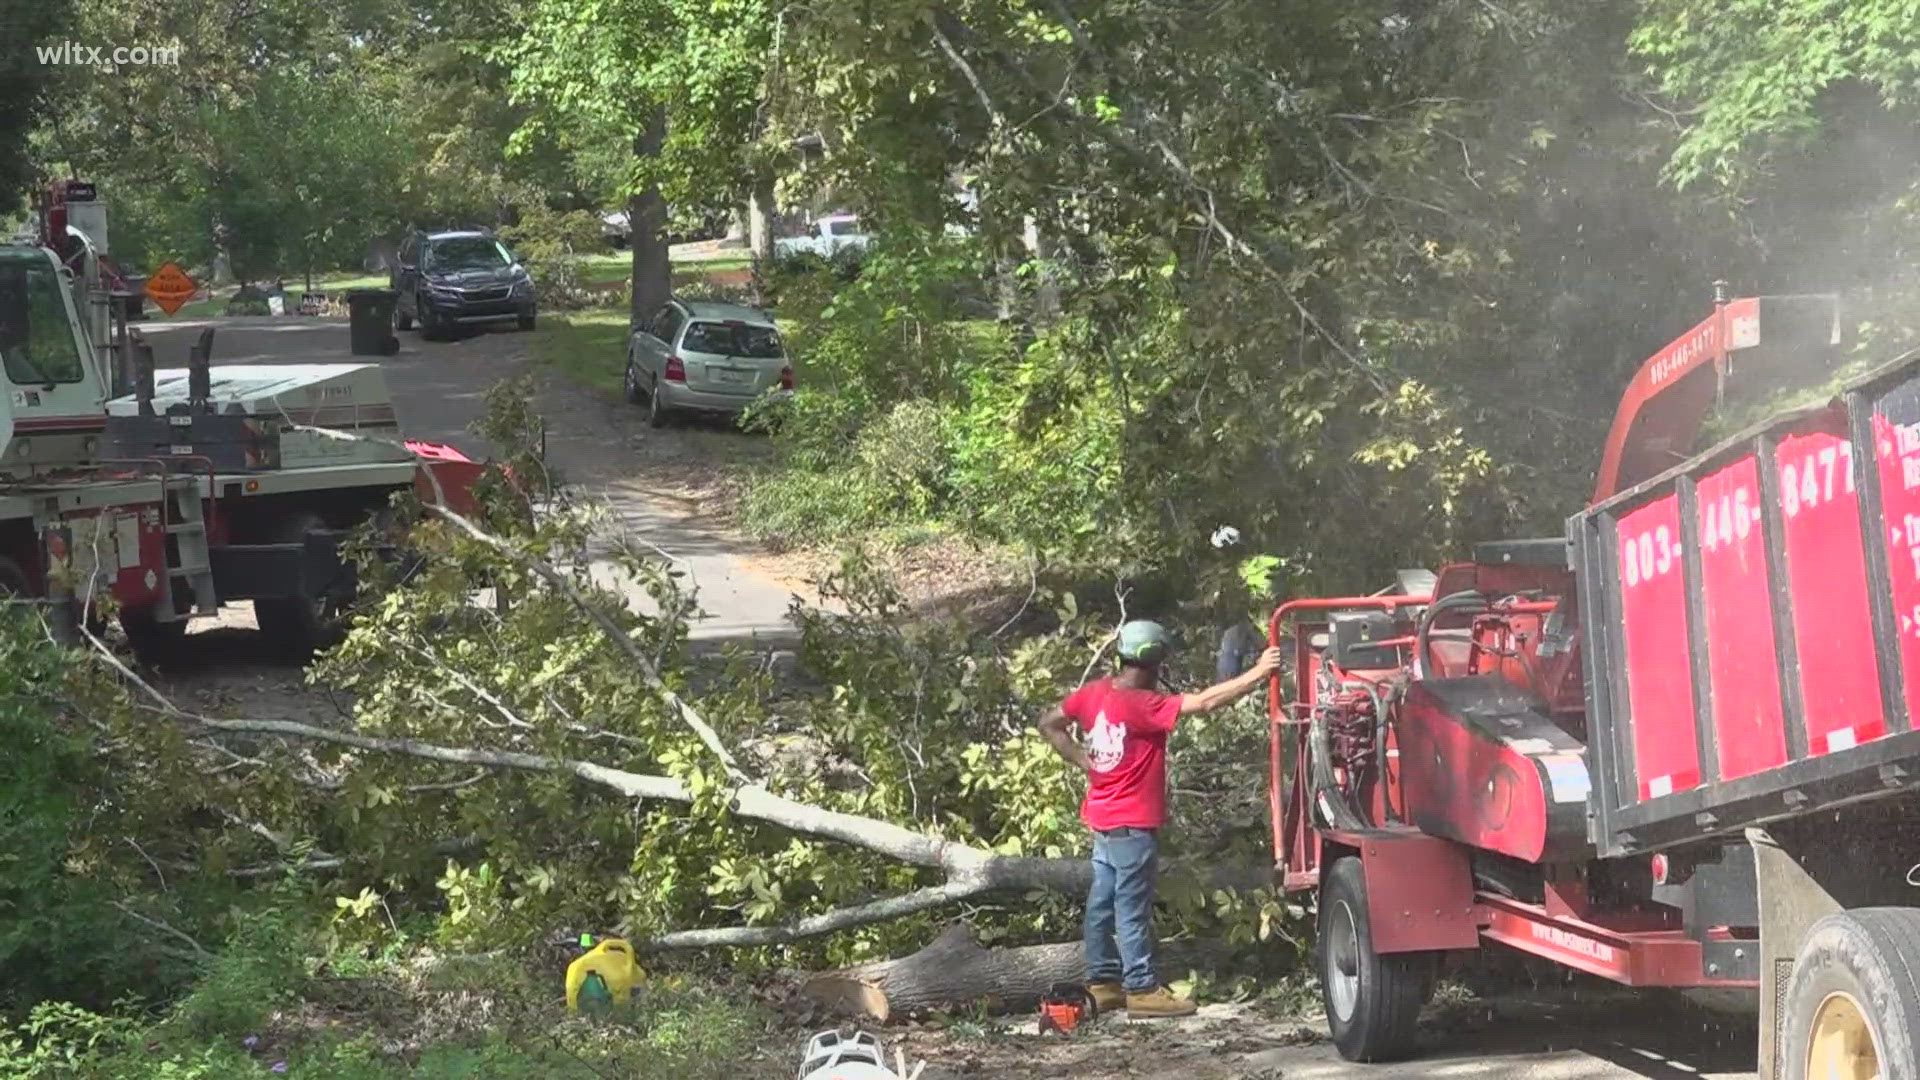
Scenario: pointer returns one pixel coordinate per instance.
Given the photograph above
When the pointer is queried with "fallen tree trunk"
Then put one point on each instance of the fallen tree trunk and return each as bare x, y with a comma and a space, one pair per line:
956, 972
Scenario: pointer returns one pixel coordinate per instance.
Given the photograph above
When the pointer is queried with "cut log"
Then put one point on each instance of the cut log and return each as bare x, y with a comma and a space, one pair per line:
956, 972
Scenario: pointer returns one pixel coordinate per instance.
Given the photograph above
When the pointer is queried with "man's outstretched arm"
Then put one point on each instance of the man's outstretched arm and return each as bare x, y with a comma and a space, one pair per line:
1226, 693
1058, 730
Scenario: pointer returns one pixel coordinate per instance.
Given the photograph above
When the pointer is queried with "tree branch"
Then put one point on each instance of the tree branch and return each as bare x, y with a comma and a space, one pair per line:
752, 801
966, 69
1200, 195
649, 672
611, 629
844, 918
170, 931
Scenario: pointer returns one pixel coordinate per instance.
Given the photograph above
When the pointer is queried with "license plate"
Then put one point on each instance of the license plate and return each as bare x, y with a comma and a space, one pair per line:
730, 376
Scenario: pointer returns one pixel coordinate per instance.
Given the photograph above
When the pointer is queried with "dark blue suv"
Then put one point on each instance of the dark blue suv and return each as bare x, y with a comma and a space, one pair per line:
458, 278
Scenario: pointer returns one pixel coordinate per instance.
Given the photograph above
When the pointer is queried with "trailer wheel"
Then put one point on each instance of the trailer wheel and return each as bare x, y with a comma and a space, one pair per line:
298, 626
1373, 1002
1853, 1005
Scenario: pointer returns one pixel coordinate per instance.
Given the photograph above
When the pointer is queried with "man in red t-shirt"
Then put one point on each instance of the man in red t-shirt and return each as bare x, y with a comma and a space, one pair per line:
1126, 720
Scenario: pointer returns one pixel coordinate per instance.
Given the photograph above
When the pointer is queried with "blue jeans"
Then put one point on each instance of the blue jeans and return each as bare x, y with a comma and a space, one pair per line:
1120, 910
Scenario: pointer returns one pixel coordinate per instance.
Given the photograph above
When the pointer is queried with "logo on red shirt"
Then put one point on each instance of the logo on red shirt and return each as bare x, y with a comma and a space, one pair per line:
1106, 743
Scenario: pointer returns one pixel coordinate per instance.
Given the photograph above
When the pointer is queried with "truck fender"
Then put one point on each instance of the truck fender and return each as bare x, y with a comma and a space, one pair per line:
1419, 891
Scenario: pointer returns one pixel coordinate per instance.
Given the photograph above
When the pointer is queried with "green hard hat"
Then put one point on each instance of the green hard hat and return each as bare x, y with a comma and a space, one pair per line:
1143, 641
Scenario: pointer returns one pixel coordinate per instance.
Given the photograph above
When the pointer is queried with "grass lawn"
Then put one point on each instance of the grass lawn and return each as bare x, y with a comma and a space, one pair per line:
610, 267
589, 347
605, 268
339, 281
209, 308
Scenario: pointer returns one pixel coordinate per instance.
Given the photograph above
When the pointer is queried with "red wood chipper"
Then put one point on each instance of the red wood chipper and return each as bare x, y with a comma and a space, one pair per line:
1674, 748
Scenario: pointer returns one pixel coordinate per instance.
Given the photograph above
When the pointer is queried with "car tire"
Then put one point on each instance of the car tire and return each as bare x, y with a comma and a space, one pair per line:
658, 415
154, 643
429, 322
630, 385
1372, 1001
526, 322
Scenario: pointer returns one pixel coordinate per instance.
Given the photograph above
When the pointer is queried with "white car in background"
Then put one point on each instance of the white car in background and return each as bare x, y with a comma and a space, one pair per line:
829, 234
705, 356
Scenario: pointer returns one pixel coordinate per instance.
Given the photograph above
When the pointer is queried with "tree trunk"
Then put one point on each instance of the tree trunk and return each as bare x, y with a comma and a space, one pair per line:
956, 972
647, 217
760, 218
1046, 291
222, 258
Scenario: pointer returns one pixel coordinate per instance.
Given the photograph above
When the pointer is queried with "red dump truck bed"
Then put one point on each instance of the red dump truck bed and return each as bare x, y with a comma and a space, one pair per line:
1752, 624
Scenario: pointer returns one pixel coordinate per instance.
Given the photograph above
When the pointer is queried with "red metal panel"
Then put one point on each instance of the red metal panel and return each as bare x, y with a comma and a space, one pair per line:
1653, 610
1899, 457
1419, 893
122, 546
1635, 958
1752, 735
1827, 576
1457, 784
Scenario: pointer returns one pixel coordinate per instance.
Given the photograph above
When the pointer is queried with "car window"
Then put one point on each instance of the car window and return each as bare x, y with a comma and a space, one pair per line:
733, 339
36, 341
466, 253
667, 325
849, 227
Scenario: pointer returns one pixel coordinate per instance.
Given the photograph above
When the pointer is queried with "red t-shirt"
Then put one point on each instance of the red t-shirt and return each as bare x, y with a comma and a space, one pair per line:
1126, 733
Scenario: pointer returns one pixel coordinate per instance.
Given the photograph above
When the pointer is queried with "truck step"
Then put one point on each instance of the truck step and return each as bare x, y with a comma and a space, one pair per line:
190, 578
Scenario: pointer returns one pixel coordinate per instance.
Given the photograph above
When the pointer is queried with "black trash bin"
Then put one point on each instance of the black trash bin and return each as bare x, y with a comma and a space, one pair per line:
370, 315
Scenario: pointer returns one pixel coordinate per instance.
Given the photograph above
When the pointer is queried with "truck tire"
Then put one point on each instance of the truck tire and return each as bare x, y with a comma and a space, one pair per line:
296, 627
1373, 1002
1853, 1005
154, 643
13, 579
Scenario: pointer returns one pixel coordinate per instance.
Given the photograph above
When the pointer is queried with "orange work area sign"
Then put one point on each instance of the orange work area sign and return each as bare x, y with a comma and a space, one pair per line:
169, 287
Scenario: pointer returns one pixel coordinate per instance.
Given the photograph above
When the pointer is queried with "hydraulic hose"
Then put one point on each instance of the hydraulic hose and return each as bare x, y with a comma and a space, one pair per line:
1467, 598
1326, 794
1380, 726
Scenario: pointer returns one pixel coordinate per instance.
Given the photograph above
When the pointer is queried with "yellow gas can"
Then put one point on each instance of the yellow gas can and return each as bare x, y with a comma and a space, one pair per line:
603, 978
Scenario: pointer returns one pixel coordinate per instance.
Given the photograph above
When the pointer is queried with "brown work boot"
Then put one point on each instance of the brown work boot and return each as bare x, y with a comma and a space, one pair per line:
1158, 1003
1107, 997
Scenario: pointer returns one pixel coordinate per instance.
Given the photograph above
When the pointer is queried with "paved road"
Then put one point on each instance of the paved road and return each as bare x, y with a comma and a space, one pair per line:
1586, 1032
439, 388
1554, 1038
